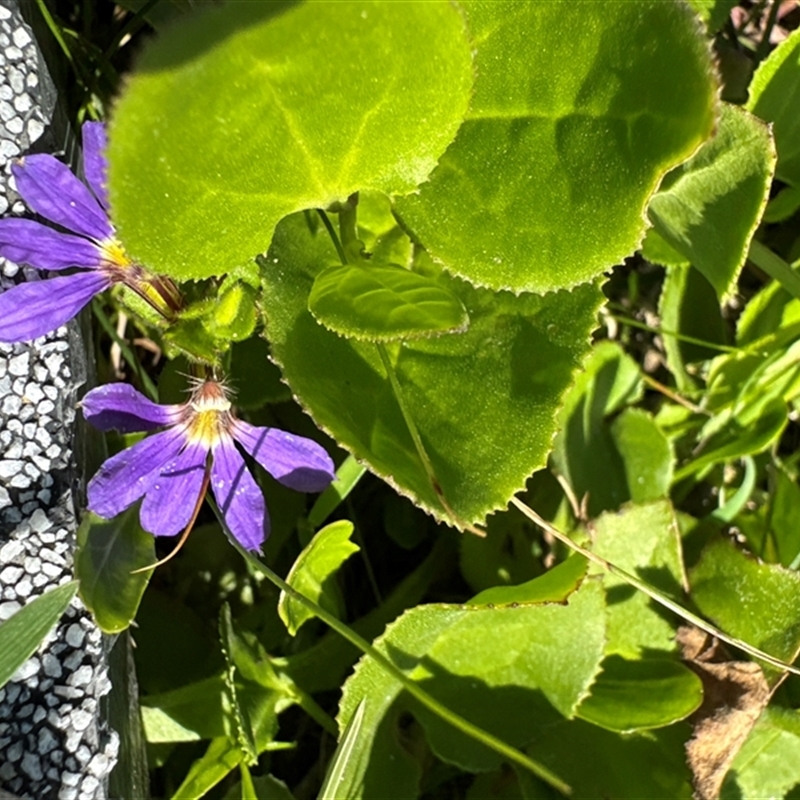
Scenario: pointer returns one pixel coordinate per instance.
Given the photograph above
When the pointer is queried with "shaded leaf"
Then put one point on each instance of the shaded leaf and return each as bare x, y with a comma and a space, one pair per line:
564, 141
708, 208
263, 787
383, 302
484, 401
24, 630
313, 572
638, 695
219, 759
108, 553
200, 173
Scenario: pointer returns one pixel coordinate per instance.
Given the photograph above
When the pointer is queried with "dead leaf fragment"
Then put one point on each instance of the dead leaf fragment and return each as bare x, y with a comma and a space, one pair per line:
734, 695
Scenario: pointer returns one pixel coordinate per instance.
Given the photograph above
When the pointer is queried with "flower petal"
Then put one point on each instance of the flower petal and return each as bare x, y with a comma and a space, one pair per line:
95, 165
120, 406
125, 477
171, 497
24, 241
50, 189
295, 461
33, 309
238, 496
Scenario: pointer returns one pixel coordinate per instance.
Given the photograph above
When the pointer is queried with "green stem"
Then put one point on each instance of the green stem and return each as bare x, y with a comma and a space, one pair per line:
653, 594
411, 686
775, 267
348, 230
127, 353
326, 221
410, 424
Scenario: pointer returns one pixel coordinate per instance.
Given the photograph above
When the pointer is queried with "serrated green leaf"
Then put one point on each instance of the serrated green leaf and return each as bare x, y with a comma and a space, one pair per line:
774, 92
639, 695
708, 208
645, 541
749, 600
246, 113
507, 670
312, 573
108, 553
23, 632
566, 138
383, 303
484, 401
768, 763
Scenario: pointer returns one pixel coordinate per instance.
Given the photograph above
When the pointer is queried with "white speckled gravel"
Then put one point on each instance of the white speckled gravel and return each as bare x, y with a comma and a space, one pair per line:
53, 742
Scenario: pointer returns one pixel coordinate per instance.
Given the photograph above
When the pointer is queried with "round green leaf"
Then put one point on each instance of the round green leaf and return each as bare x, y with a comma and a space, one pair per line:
638, 695
243, 114
774, 96
383, 302
484, 401
579, 110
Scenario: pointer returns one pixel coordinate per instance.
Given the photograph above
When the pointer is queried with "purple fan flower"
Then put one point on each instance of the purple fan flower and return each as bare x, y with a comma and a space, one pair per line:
169, 468
52, 191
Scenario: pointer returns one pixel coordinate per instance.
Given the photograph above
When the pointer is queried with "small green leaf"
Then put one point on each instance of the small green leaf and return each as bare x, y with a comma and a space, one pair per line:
639, 695
484, 401
645, 541
708, 208
235, 312
774, 93
611, 460
768, 763
784, 205
220, 758
752, 601
313, 572
194, 711
23, 632
347, 477
555, 586
384, 302
108, 553
689, 306
243, 114
657, 251
565, 139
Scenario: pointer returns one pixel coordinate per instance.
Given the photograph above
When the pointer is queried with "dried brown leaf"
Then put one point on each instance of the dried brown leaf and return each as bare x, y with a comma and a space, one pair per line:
734, 695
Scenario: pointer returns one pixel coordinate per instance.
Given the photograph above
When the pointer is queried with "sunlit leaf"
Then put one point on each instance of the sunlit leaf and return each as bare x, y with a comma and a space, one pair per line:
708, 208
246, 113
509, 670
484, 401
752, 601
578, 111
23, 632
774, 93
383, 302
313, 571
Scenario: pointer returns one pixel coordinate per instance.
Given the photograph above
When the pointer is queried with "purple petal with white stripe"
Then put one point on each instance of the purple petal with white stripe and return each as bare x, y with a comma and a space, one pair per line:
50, 189
295, 461
171, 497
126, 476
239, 497
120, 407
95, 165
33, 309
24, 241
